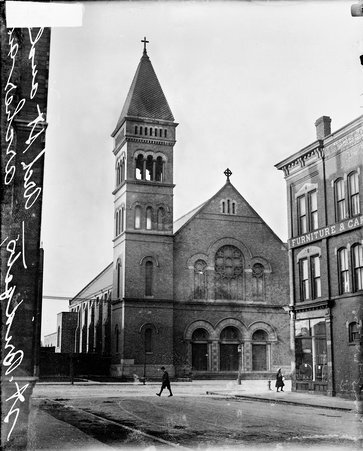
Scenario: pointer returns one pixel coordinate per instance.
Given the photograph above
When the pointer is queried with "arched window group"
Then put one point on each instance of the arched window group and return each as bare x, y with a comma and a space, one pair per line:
149, 168
149, 220
227, 280
120, 221
228, 273
228, 206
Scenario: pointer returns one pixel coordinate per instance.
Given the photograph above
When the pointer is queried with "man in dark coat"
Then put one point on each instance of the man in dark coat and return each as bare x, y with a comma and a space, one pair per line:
165, 382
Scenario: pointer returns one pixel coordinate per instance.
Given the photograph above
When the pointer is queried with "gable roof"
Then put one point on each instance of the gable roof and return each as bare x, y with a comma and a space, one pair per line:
145, 98
181, 222
102, 281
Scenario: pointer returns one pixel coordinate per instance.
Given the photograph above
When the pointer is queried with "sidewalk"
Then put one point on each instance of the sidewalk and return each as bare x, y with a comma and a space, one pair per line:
253, 390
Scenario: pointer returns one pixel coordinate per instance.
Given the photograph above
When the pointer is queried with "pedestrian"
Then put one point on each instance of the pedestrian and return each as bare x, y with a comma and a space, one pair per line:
165, 382
279, 380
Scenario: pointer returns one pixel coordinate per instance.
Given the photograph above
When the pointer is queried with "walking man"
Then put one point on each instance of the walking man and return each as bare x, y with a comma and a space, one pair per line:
165, 382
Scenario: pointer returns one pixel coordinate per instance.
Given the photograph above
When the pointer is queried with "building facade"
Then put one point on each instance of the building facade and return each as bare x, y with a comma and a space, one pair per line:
324, 191
203, 295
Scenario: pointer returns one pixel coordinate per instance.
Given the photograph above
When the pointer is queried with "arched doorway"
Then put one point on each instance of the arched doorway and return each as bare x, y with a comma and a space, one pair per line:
228, 349
259, 351
200, 350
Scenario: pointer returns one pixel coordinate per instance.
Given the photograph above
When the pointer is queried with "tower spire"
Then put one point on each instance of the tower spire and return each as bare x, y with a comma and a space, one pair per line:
145, 42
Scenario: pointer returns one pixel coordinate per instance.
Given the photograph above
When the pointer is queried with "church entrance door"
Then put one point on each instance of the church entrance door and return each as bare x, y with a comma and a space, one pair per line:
259, 361
200, 356
228, 357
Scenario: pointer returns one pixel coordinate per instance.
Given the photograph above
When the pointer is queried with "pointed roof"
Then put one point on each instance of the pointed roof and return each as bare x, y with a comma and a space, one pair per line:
184, 220
145, 98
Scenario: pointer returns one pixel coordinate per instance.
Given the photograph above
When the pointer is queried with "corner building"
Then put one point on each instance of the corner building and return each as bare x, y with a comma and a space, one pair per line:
203, 295
324, 191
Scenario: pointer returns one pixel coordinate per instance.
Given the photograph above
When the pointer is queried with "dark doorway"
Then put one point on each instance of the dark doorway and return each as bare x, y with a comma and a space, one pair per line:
200, 356
228, 357
259, 361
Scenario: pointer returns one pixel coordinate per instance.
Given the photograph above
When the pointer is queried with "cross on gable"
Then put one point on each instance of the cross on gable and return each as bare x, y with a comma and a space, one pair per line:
227, 173
145, 42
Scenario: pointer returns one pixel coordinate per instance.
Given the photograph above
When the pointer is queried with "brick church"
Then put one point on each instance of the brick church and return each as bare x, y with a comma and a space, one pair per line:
202, 295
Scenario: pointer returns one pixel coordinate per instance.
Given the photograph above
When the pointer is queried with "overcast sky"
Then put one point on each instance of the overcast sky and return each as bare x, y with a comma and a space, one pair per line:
245, 81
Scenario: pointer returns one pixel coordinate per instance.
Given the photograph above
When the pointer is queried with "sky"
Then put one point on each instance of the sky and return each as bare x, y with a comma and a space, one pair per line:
246, 82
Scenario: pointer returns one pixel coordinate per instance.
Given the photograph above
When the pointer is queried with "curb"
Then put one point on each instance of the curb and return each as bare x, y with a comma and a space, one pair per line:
281, 401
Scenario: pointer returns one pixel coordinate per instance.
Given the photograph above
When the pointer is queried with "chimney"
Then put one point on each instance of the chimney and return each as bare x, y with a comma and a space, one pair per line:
323, 127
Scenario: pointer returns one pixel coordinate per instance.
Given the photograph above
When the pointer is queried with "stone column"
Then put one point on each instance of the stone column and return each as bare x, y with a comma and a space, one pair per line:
215, 355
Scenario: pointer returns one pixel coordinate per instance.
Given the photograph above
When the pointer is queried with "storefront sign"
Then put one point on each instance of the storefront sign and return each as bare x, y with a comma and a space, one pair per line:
335, 229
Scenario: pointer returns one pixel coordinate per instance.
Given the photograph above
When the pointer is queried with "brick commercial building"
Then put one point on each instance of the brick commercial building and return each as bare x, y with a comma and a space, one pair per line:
201, 295
324, 191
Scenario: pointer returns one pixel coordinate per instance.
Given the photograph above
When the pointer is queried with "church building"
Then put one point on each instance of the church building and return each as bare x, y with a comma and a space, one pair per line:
203, 295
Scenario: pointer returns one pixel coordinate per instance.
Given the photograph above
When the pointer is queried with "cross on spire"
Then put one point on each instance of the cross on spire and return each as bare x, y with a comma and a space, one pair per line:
145, 42
227, 173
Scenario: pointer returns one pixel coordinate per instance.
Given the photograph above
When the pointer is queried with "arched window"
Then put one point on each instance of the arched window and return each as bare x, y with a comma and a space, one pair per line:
223, 207
230, 333
151, 131
119, 278
148, 339
233, 207
357, 251
343, 266
135, 129
259, 351
200, 350
258, 278
353, 332
160, 133
259, 335
117, 174
159, 170
228, 273
149, 278
122, 219
165, 133
139, 168
340, 207
116, 225
228, 349
149, 212
160, 218
137, 217
353, 186
149, 168
200, 285
122, 170
117, 335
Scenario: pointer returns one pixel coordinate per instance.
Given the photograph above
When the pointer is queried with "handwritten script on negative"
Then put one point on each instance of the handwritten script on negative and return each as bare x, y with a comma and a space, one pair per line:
24, 152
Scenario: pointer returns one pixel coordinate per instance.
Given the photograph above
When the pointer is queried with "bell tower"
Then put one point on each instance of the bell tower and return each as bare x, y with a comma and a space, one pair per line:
142, 310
